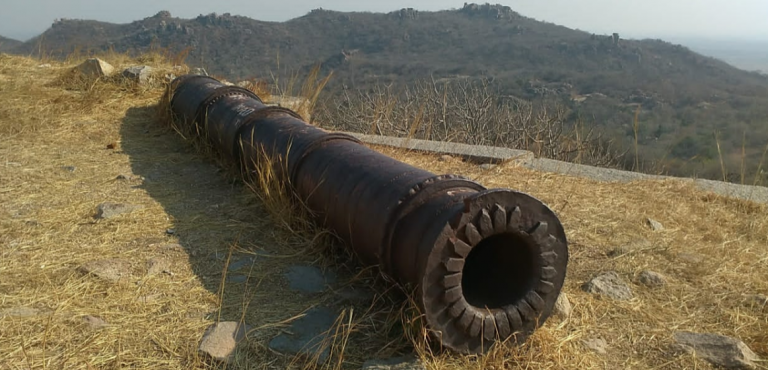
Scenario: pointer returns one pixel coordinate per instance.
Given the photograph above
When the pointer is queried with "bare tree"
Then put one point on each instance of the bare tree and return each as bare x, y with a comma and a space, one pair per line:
469, 112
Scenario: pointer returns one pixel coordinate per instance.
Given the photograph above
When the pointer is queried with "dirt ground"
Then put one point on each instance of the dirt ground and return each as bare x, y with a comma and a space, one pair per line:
62, 148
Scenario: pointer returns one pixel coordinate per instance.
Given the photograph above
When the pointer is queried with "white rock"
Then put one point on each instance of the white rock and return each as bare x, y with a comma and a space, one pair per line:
138, 74
562, 306
655, 225
220, 340
96, 67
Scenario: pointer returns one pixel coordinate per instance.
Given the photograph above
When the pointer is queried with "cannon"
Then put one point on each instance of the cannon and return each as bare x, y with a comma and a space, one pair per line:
484, 265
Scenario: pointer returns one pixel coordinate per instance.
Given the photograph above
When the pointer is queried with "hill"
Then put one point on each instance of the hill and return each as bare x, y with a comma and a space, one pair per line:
7, 44
686, 104
196, 246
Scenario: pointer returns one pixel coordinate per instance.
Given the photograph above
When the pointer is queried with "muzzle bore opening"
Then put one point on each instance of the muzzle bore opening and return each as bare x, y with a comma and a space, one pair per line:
500, 271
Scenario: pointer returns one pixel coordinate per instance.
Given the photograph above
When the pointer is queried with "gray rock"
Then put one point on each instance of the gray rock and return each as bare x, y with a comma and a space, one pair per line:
107, 269
69, 168
487, 166
306, 335
598, 345
562, 306
220, 340
470, 152
308, 279
651, 279
717, 349
94, 322
655, 225
170, 231
109, 210
610, 285
397, 363
95, 67
20, 312
138, 74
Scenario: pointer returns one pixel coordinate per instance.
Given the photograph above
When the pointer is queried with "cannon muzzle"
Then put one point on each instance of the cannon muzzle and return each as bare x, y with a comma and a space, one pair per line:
484, 264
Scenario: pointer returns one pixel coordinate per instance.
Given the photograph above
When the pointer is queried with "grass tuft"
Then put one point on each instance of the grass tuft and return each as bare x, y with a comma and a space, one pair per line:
713, 249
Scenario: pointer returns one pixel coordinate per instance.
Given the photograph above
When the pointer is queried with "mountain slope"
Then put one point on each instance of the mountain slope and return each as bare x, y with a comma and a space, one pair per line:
7, 44
684, 97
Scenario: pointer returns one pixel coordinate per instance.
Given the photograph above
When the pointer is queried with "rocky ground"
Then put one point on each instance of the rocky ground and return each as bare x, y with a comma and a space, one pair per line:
121, 246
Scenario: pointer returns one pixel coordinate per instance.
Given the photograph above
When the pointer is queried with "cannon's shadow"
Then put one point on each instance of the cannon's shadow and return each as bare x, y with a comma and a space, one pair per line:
214, 217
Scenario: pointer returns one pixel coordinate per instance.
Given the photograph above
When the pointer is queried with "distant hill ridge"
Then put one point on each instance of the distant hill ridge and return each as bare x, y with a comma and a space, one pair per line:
7, 44
684, 97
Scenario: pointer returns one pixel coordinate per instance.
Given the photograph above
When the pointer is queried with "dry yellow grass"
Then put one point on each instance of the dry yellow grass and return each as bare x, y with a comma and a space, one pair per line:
47, 231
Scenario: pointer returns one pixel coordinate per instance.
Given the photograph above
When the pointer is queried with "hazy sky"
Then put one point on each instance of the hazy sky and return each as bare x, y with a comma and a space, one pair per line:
745, 19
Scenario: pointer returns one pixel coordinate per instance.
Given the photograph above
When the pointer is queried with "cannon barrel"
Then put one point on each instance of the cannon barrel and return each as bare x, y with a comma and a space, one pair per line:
483, 264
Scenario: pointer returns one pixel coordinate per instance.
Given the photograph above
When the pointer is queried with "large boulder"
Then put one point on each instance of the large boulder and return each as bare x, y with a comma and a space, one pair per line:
95, 68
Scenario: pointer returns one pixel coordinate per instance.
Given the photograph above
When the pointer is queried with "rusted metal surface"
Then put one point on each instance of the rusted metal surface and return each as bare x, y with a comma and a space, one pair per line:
485, 264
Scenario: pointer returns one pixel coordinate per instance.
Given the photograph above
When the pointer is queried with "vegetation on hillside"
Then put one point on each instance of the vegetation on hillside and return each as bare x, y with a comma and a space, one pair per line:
681, 113
7, 44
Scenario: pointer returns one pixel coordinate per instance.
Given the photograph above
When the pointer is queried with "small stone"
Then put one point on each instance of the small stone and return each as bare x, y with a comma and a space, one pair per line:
308, 279
220, 340
610, 285
95, 67
562, 306
138, 74
598, 345
717, 349
651, 279
445, 158
107, 269
94, 322
655, 225
306, 335
110, 210
396, 363
69, 168
19, 312
159, 265
124, 177
487, 166
170, 231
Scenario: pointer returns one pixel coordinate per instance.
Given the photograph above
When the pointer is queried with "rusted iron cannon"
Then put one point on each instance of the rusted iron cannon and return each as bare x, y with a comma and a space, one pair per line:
485, 264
